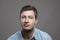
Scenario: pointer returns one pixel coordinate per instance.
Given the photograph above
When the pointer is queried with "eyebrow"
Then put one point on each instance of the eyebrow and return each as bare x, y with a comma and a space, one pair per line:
28, 16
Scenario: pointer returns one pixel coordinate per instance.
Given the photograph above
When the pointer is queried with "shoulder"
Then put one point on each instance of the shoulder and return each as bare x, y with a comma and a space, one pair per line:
44, 35
14, 36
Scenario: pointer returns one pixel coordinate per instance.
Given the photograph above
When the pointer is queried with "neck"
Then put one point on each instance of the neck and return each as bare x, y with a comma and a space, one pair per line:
27, 34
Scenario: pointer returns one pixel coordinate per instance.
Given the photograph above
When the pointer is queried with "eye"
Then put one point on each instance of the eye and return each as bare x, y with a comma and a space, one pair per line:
22, 16
31, 17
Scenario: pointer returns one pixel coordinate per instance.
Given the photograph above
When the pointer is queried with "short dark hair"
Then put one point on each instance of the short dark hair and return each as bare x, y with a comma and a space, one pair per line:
29, 7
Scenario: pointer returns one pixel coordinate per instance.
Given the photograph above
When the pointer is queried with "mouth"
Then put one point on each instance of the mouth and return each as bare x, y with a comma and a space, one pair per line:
26, 25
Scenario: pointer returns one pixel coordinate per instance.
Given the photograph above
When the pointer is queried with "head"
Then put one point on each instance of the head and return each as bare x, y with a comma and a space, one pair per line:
28, 17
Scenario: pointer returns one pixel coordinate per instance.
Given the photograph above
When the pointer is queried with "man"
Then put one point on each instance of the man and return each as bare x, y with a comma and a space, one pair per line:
28, 18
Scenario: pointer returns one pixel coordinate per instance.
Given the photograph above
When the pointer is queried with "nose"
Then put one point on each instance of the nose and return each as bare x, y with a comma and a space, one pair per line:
26, 20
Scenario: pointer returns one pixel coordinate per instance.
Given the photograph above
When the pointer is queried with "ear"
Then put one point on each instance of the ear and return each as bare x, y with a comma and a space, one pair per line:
36, 21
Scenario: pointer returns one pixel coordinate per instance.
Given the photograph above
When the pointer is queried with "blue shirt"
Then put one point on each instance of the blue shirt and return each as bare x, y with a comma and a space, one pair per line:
38, 34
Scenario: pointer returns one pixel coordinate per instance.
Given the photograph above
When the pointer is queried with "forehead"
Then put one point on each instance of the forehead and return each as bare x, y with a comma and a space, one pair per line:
27, 13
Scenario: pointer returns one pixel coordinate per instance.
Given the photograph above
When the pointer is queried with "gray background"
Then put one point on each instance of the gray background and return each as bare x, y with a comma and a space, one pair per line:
49, 16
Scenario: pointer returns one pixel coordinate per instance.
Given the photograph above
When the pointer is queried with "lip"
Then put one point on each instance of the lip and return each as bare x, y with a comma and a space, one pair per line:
26, 25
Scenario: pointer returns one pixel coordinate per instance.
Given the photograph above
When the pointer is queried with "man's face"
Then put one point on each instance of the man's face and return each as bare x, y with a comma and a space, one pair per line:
28, 19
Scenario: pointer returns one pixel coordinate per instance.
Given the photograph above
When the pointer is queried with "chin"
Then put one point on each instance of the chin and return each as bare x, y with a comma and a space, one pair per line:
27, 29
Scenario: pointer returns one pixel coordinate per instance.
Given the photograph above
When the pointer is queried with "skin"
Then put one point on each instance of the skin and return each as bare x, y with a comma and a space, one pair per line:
27, 22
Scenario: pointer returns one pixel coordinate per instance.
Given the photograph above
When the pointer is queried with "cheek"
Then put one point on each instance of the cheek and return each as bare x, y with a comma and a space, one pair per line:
32, 22
21, 21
